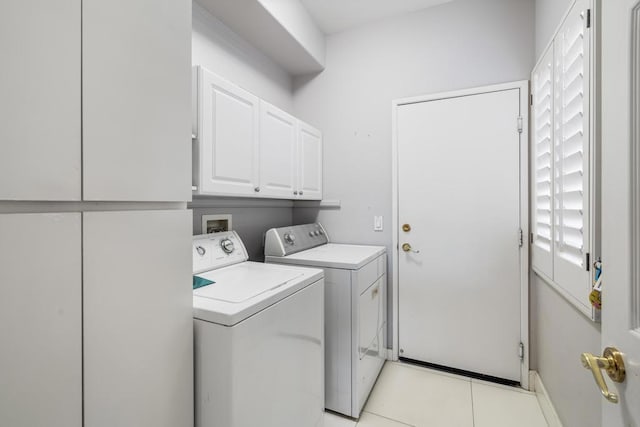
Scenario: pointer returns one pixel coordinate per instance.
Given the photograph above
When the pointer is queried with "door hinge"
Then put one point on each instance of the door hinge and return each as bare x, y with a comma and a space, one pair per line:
531, 99
520, 238
521, 351
588, 261
588, 18
519, 124
531, 238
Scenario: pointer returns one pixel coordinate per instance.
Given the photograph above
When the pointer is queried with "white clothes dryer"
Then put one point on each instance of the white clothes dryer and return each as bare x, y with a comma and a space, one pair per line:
355, 308
259, 339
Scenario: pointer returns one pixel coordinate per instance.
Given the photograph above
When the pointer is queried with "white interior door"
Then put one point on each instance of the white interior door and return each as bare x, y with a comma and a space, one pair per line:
459, 191
621, 203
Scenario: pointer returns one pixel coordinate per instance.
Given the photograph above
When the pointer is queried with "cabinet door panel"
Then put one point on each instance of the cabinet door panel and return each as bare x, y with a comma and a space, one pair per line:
138, 333
40, 320
136, 59
40, 100
309, 162
228, 137
277, 152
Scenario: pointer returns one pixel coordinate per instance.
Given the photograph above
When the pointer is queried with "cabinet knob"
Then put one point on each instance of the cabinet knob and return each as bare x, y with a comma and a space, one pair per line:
301, 192
257, 189
295, 193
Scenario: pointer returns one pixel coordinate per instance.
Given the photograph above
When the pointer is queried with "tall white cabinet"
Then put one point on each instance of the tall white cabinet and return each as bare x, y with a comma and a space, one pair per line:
95, 296
40, 151
136, 108
247, 147
137, 318
40, 320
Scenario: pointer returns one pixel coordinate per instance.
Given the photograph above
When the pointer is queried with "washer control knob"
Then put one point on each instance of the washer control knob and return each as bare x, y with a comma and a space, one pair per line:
227, 245
320, 231
311, 234
289, 238
315, 233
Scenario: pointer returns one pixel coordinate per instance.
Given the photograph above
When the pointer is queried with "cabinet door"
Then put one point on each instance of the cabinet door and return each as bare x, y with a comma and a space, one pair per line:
227, 137
138, 327
40, 320
277, 152
309, 162
40, 100
136, 94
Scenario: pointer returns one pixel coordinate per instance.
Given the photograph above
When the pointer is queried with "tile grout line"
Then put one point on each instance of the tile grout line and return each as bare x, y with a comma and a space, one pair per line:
386, 418
473, 415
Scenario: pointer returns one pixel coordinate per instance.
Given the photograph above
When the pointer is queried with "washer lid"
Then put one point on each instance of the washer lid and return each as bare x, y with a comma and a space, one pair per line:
333, 255
244, 289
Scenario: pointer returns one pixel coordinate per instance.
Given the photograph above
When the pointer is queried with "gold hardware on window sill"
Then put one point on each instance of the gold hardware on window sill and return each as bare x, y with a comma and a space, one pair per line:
611, 361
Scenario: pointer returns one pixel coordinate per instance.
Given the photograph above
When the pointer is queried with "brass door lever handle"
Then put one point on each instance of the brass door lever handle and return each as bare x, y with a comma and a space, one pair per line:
407, 248
611, 361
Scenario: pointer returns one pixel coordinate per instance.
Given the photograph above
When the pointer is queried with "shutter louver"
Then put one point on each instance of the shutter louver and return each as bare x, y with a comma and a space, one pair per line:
570, 142
571, 150
542, 159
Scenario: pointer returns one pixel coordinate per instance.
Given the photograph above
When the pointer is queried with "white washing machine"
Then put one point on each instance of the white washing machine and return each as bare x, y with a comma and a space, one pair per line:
355, 308
259, 339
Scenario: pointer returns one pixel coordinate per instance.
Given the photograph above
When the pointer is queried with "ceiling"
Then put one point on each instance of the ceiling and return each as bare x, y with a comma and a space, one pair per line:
333, 16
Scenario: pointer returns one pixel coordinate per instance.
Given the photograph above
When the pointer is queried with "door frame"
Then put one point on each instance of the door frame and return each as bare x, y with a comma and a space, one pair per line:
523, 87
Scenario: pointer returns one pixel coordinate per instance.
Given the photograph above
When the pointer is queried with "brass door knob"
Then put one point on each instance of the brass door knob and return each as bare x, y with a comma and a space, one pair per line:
611, 361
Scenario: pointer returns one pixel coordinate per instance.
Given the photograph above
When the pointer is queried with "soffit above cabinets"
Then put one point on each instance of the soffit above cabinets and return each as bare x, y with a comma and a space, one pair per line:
283, 30
334, 16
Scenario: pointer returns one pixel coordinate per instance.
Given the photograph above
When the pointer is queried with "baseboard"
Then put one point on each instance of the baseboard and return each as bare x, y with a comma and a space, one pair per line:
548, 410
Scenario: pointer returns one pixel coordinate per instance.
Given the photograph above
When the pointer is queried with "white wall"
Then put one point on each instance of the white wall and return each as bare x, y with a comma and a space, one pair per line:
559, 332
456, 45
222, 51
548, 15
250, 222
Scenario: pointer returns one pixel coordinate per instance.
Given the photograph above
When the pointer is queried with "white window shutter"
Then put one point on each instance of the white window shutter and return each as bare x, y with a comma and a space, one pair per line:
542, 158
571, 152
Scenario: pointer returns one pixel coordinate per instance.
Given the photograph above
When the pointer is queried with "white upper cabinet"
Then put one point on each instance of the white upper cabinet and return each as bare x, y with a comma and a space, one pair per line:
136, 106
278, 150
226, 163
40, 100
309, 184
247, 147
563, 174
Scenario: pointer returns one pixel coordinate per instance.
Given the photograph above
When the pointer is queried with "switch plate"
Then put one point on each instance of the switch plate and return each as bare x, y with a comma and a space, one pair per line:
377, 223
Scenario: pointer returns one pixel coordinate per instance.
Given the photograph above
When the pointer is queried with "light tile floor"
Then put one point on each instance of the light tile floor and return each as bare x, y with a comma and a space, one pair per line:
408, 395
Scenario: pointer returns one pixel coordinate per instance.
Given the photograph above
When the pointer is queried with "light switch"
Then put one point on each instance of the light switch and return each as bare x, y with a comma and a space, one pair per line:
377, 223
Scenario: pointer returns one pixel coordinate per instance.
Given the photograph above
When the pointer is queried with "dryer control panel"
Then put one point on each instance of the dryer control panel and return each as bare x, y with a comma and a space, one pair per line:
217, 250
285, 241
